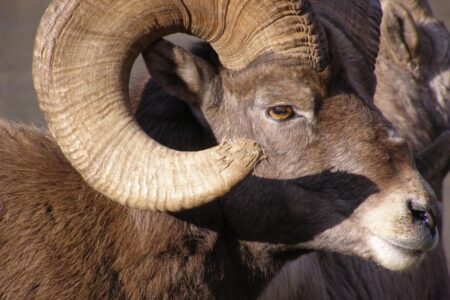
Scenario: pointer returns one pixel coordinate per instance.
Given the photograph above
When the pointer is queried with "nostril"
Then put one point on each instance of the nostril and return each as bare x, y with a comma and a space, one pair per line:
422, 215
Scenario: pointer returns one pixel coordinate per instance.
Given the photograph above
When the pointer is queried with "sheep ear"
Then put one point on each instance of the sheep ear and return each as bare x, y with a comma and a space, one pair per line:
179, 72
401, 36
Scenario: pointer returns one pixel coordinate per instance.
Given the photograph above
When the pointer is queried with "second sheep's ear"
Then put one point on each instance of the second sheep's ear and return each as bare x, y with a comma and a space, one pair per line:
179, 72
402, 37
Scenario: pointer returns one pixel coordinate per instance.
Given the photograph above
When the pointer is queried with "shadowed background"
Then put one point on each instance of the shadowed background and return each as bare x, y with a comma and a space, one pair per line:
18, 22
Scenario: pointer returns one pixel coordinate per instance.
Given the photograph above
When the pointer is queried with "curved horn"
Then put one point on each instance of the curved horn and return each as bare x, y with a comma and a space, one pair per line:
83, 55
362, 20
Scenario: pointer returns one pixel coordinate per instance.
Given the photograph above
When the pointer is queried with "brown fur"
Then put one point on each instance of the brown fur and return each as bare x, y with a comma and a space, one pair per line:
325, 172
60, 239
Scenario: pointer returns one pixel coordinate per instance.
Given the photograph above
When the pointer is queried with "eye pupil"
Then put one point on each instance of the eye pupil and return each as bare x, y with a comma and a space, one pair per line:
281, 112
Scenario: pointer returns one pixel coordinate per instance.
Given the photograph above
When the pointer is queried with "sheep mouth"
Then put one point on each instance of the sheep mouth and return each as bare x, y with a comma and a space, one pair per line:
404, 247
395, 255
422, 243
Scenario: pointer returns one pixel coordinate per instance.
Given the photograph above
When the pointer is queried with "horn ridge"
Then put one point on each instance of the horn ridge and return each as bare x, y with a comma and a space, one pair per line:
83, 55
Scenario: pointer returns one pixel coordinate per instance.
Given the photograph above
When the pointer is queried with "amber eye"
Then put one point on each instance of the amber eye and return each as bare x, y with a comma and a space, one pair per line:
280, 112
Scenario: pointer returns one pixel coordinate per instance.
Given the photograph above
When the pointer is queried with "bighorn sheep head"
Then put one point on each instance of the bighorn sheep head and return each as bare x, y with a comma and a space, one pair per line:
285, 83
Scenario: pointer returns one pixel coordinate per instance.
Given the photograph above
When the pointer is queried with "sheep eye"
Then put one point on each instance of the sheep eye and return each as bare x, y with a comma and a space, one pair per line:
281, 112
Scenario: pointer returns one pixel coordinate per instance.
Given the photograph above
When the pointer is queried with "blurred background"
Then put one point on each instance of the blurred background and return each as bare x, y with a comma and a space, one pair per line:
18, 22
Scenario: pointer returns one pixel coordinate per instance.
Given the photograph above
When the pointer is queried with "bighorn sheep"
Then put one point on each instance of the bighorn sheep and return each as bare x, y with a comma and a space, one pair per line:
413, 72
334, 174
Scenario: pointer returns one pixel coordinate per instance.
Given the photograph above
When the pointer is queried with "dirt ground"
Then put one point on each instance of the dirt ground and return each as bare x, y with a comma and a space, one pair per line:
18, 22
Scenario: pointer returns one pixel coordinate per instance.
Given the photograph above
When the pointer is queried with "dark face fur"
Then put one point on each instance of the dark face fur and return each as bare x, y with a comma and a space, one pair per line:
335, 175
